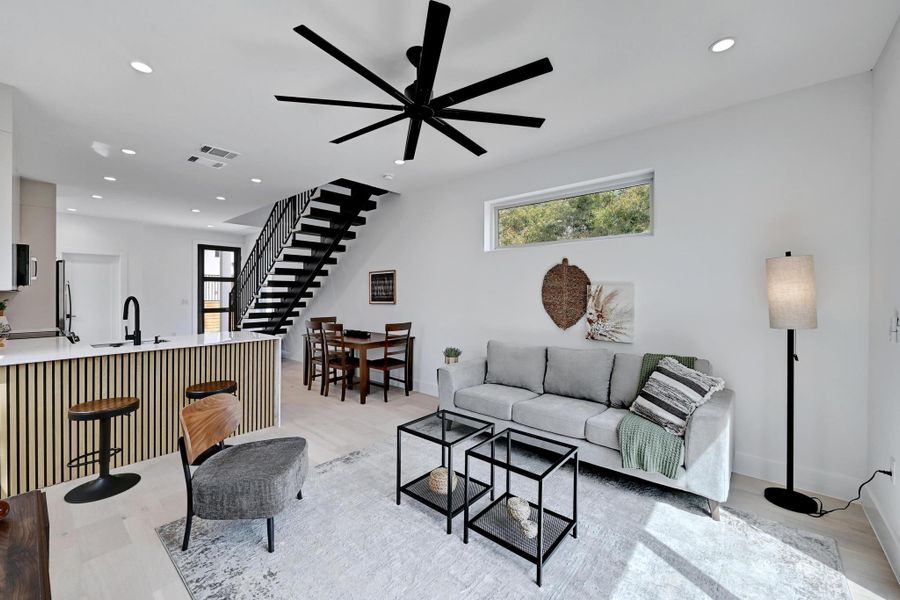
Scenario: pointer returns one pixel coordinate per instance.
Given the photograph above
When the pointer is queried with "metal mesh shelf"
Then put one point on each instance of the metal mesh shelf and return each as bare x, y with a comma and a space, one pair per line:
418, 489
495, 524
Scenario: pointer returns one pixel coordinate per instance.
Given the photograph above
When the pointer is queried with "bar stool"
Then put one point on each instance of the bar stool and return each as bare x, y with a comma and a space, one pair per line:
105, 485
210, 388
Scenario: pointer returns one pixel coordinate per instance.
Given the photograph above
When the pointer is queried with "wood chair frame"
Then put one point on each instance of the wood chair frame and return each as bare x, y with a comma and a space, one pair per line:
396, 342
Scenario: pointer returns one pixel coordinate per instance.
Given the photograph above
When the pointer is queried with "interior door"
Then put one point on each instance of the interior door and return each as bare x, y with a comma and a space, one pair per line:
94, 280
217, 268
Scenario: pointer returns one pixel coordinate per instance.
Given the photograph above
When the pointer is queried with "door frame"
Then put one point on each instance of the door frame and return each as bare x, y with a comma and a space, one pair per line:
200, 279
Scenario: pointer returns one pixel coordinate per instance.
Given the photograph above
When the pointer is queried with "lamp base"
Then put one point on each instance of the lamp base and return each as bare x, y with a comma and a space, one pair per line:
791, 500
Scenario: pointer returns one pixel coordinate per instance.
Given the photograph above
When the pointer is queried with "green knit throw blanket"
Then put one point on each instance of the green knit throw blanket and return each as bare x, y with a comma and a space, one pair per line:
644, 444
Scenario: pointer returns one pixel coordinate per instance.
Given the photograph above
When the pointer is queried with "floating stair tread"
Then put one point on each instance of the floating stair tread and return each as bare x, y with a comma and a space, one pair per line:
299, 271
326, 232
320, 214
346, 203
316, 245
361, 187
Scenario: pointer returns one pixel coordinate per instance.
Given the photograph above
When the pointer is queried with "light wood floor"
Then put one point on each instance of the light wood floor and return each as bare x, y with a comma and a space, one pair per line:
109, 549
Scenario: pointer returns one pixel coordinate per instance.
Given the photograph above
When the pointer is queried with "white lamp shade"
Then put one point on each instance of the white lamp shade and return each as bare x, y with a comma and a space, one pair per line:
792, 292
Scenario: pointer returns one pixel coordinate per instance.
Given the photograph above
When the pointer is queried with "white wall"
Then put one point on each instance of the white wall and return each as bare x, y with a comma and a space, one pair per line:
159, 263
733, 187
883, 500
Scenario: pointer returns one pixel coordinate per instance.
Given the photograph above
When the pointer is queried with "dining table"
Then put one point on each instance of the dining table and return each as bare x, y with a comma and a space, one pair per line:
361, 346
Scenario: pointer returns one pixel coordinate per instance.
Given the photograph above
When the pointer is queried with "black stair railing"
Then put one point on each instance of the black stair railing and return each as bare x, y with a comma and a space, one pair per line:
275, 234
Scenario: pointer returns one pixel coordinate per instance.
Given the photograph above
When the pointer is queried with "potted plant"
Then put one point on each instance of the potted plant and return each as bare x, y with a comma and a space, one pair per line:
4, 324
451, 355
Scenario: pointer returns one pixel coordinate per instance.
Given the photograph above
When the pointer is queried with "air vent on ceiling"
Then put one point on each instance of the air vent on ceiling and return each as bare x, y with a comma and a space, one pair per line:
219, 152
200, 160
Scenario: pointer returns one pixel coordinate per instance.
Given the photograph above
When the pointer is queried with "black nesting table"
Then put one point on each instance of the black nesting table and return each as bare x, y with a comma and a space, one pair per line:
535, 458
446, 429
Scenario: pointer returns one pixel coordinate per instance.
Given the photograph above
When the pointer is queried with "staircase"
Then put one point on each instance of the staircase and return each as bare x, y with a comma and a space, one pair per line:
302, 236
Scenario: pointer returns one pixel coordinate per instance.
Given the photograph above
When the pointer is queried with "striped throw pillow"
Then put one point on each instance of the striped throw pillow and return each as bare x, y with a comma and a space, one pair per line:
673, 393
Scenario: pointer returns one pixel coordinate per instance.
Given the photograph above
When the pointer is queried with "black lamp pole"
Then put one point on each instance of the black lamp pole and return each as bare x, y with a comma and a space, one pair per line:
787, 497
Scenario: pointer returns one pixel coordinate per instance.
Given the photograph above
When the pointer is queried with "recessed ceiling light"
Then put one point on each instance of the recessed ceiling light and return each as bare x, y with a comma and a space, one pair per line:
141, 67
211, 226
399, 161
220, 197
72, 209
388, 176
128, 151
722, 45
97, 197
108, 178
195, 210
256, 180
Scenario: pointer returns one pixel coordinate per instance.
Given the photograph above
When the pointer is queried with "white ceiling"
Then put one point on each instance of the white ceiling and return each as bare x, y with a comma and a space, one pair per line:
618, 67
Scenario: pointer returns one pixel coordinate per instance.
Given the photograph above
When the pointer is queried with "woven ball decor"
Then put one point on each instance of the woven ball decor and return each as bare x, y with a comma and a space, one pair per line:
564, 294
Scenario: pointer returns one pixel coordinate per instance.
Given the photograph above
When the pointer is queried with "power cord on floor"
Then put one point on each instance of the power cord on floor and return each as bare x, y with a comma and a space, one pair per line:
821, 512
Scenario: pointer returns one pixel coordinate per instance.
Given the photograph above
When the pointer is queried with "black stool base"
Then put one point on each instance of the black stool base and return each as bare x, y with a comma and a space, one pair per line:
104, 486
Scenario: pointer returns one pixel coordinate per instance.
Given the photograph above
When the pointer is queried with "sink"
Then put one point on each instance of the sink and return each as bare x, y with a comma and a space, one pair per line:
109, 345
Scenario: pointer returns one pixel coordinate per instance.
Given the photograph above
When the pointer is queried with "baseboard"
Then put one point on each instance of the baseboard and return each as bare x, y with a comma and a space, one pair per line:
889, 541
836, 485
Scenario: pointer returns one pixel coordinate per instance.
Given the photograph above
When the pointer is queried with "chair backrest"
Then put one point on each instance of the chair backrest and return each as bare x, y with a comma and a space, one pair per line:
333, 340
396, 339
207, 422
314, 332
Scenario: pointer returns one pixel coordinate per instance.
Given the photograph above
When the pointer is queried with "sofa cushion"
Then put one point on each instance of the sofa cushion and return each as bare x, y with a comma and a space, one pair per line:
626, 377
557, 414
516, 366
579, 373
492, 399
626, 374
603, 429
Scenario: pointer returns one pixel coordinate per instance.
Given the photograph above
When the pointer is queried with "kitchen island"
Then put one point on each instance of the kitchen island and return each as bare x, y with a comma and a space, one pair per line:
41, 378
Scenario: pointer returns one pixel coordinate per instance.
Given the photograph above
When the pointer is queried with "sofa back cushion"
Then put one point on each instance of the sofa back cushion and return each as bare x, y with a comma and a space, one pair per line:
626, 376
580, 374
516, 366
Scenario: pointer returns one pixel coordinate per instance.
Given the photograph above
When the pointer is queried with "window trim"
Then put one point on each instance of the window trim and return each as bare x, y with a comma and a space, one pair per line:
603, 184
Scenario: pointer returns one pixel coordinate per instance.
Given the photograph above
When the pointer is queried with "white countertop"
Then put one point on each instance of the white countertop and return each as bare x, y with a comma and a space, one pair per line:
19, 352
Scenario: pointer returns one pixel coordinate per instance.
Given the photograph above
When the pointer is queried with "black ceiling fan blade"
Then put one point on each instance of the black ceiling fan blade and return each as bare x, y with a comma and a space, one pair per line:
372, 127
492, 84
326, 46
489, 117
435, 29
412, 138
329, 102
456, 135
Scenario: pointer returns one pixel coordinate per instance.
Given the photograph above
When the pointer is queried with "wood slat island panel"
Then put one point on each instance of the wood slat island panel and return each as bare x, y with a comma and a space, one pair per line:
37, 439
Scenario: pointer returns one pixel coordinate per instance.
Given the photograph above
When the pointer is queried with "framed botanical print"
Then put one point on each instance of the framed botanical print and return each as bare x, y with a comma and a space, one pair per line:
382, 287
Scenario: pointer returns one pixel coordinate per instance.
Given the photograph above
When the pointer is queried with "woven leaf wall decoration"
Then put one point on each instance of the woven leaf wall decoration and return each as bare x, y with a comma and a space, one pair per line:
564, 294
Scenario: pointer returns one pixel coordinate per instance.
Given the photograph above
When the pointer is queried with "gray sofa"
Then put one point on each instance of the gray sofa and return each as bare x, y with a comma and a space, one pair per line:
579, 397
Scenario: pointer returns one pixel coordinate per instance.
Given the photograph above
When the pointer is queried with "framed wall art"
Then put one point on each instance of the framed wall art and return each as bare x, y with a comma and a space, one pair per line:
382, 287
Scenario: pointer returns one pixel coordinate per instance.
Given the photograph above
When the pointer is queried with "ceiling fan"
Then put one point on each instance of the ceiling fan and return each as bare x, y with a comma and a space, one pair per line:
416, 102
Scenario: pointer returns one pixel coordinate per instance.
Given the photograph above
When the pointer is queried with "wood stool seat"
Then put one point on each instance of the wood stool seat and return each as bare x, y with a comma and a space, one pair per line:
106, 484
210, 388
103, 408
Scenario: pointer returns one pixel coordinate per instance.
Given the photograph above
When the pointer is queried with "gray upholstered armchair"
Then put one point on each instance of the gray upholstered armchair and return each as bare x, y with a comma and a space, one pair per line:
255, 480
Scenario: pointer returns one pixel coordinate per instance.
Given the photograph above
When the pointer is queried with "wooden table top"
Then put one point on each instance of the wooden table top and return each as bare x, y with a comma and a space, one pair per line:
376, 340
25, 548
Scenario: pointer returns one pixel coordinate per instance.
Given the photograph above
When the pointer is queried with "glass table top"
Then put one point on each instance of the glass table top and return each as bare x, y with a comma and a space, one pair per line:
446, 427
529, 455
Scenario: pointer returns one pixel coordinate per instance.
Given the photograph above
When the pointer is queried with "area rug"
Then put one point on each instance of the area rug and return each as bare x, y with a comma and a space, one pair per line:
348, 539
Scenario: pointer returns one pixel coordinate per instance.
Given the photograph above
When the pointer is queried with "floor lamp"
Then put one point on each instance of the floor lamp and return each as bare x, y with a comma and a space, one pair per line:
792, 305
